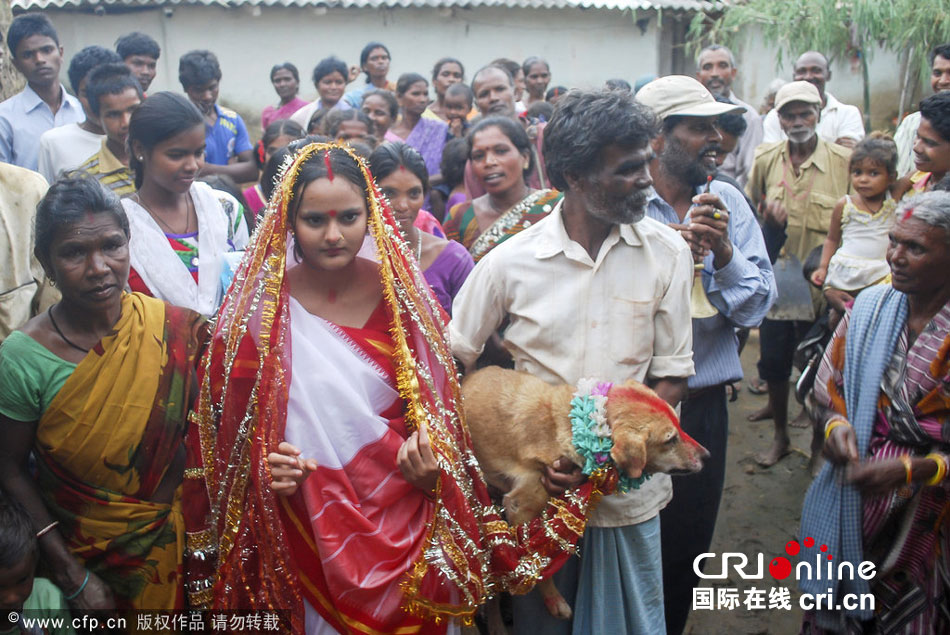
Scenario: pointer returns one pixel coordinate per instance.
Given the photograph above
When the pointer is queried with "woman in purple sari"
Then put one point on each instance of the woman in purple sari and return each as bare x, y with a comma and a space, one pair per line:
883, 391
286, 81
401, 175
427, 136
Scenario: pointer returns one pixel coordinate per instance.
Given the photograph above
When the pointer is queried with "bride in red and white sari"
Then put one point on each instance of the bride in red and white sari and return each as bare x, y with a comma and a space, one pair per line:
332, 477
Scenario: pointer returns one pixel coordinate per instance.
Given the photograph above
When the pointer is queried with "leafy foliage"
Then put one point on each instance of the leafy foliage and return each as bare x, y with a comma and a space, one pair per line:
838, 28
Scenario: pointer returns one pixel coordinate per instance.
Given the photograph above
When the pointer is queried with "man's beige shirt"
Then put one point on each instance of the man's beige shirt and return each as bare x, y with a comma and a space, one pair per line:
23, 289
624, 316
809, 196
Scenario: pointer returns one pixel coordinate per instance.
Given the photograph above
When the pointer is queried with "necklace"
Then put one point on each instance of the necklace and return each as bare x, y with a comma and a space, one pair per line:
52, 320
524, 192
419, 248
158, 218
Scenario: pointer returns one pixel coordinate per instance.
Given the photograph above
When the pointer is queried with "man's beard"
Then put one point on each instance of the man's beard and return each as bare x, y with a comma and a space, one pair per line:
626, 211
801, 136
676, 162
718, 89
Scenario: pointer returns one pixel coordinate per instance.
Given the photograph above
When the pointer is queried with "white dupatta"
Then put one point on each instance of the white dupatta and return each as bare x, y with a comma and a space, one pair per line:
160, 268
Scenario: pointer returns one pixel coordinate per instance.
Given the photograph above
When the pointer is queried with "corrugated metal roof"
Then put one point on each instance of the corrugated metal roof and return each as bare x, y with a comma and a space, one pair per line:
683, 5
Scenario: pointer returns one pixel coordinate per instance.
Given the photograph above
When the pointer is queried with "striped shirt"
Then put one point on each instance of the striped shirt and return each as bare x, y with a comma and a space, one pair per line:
742, 291
109, 171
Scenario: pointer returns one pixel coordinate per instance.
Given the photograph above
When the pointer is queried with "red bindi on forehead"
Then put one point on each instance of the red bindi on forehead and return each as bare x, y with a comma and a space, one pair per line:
331, 213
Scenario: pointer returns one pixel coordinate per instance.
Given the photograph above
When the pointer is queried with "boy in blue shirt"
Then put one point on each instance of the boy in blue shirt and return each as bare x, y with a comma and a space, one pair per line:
44, 103
228, 148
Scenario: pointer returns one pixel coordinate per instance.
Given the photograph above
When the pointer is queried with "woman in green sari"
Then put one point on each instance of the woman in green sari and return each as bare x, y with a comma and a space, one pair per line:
501, 158
98, 388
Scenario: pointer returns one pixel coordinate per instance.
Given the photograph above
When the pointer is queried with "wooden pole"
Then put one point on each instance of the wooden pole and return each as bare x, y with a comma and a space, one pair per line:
11, 82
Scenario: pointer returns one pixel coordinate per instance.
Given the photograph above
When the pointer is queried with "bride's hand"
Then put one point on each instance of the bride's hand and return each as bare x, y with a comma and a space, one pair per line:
288, 469
417, 462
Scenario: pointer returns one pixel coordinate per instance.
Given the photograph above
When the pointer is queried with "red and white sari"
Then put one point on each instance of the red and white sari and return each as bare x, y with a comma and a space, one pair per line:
370, 520
357, 549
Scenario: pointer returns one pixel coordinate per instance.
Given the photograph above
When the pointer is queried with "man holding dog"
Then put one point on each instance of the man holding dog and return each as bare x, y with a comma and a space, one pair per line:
717, 223
621, 312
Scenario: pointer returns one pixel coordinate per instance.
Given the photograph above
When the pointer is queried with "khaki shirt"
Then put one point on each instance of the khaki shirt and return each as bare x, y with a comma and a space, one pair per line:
625, 315
23, 288
809, 197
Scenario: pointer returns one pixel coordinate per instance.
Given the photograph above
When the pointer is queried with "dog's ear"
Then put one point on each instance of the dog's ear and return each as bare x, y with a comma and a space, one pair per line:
630, 454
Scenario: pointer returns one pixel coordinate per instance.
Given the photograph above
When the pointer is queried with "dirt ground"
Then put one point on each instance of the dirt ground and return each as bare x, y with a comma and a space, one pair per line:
760, 512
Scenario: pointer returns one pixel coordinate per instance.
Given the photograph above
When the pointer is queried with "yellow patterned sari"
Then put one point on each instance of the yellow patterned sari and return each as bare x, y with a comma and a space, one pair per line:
110, 437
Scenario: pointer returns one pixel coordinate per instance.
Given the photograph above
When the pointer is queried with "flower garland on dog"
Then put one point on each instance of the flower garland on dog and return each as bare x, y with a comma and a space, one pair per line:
591, 433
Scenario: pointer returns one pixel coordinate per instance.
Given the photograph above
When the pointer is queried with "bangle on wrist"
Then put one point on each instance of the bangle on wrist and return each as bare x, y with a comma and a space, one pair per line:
75, 594
832, 424
943, 466
908, 471
45, 530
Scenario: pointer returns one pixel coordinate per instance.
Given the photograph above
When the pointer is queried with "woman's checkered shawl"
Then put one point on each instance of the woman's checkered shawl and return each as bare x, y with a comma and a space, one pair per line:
832, 512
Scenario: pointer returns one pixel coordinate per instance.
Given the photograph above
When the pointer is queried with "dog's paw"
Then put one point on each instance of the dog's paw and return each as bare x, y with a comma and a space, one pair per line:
512, 504
558, 607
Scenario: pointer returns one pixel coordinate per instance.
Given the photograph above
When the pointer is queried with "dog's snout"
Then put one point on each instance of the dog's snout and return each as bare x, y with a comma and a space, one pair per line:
703, 452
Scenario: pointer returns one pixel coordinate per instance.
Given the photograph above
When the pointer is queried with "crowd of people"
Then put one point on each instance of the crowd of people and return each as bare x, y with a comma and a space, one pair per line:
230, 371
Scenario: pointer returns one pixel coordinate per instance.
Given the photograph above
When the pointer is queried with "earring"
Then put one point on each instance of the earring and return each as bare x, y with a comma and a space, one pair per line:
52, 282
141, 158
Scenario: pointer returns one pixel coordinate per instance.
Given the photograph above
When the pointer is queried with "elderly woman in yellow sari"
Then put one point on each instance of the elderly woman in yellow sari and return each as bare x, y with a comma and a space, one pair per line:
98, 388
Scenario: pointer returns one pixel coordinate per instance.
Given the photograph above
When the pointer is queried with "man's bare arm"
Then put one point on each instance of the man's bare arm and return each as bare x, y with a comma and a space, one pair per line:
672, 390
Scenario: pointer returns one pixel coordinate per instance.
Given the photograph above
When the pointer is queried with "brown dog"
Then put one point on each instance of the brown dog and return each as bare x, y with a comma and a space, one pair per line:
519, 424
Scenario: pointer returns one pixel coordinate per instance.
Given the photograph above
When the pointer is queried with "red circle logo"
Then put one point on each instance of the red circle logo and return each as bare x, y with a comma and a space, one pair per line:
780, 568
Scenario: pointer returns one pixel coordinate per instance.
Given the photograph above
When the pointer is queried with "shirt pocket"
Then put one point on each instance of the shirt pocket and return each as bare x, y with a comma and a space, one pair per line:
630, 330
820, 208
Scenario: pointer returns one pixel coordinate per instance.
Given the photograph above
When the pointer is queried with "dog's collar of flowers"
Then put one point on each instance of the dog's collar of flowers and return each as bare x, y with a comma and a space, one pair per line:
591, 433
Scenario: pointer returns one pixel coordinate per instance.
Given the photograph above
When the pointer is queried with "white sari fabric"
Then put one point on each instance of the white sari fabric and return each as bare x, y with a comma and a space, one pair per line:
162, 270
368, 522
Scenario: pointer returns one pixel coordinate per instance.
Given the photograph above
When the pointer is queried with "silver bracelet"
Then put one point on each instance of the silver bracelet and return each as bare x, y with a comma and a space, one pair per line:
45, 530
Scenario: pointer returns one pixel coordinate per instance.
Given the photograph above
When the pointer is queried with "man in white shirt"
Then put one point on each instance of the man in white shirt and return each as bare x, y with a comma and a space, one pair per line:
839, 123
596, 289
906, 133
65, 148
716, 70
44, 103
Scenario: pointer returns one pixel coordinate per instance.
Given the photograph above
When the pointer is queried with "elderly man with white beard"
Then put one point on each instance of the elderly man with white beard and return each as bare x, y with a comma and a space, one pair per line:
801, 179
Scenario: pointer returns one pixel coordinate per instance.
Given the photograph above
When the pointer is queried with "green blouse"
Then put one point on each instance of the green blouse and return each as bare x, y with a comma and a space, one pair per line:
30, 377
